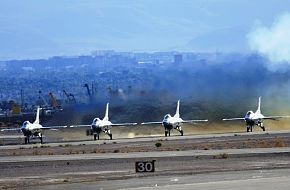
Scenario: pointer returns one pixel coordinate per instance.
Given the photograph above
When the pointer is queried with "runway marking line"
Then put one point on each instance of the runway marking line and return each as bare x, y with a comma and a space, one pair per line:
210, 183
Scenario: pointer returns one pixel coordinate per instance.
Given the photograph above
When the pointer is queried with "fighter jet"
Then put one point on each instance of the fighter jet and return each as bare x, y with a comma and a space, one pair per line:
174, 122
256, 118
33, 130
102, 125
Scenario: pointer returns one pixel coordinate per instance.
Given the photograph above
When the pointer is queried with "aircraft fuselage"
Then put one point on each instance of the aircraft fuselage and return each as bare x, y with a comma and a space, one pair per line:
99, 126
170, 123
253, 119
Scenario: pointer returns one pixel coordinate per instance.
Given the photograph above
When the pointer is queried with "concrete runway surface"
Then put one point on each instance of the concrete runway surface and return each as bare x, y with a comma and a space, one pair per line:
145, 155
111, 169
257, 135
248, 168
278, 179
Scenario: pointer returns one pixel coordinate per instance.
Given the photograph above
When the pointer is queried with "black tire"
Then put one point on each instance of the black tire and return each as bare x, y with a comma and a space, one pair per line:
181, 132
41, 139
263, 128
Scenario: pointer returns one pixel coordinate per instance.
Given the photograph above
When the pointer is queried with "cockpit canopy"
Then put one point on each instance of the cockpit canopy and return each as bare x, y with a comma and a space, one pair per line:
25, 123
96, 119
249, 113
167, 116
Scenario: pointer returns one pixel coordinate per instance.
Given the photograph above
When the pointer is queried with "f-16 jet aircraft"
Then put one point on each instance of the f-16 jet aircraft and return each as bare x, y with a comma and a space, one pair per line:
98, 126
174, 122
33, 130
256, 118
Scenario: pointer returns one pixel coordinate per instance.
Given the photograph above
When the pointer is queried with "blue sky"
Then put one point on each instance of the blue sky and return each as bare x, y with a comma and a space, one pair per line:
40, 29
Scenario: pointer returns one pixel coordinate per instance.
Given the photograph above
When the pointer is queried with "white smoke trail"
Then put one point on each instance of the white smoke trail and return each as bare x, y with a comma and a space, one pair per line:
273, 41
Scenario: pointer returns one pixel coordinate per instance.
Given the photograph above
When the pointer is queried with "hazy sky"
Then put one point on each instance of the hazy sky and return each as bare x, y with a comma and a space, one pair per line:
43, 28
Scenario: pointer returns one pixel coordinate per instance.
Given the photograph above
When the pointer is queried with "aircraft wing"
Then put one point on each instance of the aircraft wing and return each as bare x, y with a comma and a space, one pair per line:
234, 119
150, 123
80, 126
123, 124
194, 121
12, 129
54, 127
275, 117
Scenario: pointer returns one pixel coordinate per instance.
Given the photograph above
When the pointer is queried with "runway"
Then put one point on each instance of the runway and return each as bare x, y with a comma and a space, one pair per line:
148, 155
55, 169
180, 162
243, 180
209, 137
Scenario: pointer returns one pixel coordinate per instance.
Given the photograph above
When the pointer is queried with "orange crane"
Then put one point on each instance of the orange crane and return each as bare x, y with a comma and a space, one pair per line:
54, 101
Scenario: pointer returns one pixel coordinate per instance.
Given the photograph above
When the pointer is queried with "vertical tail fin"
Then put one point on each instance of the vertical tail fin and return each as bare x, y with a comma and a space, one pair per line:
259, 106
106, 118
177, 110
37, 116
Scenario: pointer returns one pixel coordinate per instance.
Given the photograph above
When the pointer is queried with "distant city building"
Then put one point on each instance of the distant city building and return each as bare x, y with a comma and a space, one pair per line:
177, 58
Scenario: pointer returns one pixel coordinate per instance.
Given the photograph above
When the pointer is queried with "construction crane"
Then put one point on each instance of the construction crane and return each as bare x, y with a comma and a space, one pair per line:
46, 108
41, 100
88, 91
70, 97
54, 102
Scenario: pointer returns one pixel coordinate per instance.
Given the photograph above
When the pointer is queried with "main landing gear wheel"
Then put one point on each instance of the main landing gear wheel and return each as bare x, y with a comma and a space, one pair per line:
250, 129
166, 133
41, 139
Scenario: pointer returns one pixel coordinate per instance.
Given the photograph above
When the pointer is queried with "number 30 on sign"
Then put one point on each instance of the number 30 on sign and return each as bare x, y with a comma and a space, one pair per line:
147, 166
